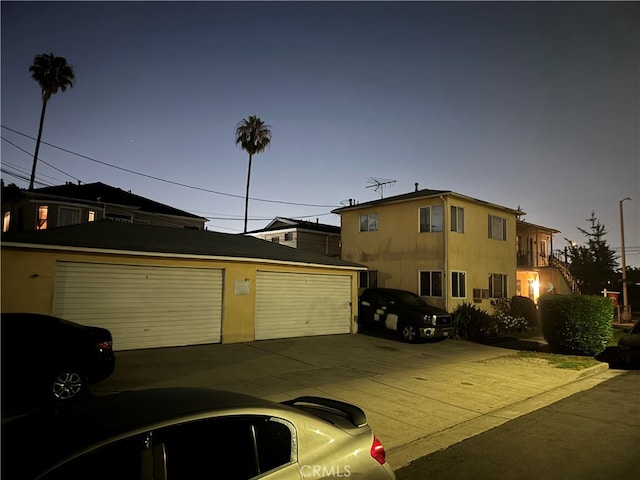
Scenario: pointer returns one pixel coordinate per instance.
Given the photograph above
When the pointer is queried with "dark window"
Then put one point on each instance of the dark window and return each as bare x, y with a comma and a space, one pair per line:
431, 219
497, 228
497, 285
368, 279
457, 219
369, 223
458, 285
232, 447
431, 284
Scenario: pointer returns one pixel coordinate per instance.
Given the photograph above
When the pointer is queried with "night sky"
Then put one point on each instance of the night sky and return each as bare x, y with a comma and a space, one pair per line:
520, 104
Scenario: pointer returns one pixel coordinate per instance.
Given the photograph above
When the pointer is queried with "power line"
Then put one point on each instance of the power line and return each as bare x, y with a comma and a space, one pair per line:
164, 179
40, 160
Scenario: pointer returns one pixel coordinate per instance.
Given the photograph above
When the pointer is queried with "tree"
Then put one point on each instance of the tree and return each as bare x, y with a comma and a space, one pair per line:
253, 136
52, 74
593, 265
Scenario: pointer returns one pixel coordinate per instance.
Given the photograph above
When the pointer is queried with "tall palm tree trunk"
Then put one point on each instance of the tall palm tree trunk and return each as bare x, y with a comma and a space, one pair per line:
35, 155
246, 198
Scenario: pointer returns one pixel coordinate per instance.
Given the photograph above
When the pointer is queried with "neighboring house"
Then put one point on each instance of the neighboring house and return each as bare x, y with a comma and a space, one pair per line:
447, 247
158, 287
539, 270
311, 236
70, 204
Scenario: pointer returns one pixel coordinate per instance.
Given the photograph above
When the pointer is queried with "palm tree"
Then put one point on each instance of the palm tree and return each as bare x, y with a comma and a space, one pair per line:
52, 74
253, 136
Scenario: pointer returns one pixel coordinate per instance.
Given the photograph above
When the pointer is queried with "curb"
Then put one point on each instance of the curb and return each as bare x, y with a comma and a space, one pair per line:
402, 455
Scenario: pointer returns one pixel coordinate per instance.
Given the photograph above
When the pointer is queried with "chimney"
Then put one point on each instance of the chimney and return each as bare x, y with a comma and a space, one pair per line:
416, 184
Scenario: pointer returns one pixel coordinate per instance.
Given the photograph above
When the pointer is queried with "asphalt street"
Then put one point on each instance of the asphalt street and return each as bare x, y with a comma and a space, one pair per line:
594, 434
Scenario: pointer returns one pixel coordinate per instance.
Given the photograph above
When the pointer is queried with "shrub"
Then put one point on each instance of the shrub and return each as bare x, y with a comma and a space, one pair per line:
576, 324
504, 321
471, 322
525, 307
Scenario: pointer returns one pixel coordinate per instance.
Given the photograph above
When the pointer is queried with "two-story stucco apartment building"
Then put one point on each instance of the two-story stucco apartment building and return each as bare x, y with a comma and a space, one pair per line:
447, 247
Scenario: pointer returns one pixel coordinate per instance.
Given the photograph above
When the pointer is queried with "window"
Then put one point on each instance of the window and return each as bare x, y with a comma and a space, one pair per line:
431, 218
457, 219
288, 237
239, 447
497, 228
68, 216
458, 284
369, 223
368, 279
43, 213
275, 239
430, 284
6, 221
92, 216
497, 285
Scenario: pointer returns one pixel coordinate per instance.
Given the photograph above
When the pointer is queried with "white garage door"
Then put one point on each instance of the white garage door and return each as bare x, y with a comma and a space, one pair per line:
298, 305
142, 306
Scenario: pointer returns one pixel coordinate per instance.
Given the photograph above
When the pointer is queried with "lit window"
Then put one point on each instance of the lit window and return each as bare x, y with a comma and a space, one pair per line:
497, 228
6, 221
43, 213
430, 284
431, 218
92, 216
369, 223
457, 219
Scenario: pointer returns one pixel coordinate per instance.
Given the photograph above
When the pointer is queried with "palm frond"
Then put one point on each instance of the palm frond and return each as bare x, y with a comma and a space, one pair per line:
52, 74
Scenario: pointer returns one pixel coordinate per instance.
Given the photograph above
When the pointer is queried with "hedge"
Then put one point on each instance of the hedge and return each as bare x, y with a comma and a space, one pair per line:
576, 324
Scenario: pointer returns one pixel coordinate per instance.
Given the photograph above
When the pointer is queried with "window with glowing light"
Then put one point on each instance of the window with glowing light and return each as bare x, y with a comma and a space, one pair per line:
43, 214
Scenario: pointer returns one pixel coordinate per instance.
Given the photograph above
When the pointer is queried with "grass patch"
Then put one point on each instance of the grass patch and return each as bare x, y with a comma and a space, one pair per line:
570, 362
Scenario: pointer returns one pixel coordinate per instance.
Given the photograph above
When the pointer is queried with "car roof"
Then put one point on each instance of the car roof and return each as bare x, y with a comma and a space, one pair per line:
68, 429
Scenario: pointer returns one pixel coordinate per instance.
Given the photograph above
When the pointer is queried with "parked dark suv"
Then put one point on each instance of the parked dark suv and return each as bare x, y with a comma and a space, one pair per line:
45, 357
404, 312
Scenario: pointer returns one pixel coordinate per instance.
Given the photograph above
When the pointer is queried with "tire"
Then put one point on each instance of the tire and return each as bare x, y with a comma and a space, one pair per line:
66, 385
409, 332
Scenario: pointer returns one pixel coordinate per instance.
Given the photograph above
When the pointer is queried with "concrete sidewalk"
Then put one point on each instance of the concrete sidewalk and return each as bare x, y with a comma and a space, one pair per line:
418, 397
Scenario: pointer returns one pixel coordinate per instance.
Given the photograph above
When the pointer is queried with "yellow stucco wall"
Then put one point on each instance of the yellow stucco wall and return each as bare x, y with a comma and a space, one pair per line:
398, 251
28, 282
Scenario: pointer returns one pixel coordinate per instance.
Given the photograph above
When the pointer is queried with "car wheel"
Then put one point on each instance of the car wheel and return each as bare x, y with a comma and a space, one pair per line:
409, 332
67, 384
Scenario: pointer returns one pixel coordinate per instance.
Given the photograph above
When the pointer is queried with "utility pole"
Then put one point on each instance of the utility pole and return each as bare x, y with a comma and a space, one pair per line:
626, 314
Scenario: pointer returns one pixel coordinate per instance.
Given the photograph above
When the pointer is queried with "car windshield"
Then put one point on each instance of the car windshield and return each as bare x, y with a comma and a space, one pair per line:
411, 299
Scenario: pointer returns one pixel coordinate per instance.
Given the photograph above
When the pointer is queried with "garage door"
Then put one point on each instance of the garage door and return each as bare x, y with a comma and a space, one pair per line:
143, 306
298, 305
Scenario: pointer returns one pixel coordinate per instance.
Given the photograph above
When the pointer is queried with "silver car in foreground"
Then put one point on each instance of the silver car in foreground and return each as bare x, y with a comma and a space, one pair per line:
189, 433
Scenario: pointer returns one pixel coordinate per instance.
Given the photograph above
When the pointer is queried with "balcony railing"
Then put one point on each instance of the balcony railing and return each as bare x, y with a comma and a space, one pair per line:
532, 259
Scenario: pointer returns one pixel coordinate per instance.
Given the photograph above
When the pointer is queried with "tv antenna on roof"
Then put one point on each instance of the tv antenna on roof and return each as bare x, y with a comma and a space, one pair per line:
378, 184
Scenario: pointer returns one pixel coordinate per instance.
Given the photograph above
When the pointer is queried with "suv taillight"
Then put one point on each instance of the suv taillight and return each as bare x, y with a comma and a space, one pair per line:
377, 451
105, 345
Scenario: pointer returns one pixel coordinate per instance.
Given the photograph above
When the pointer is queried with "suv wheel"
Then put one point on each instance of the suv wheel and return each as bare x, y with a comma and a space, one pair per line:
409, 332
67, 384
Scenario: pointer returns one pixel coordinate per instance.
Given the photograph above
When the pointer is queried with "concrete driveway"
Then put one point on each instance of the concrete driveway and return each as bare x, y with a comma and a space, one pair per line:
418, 398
